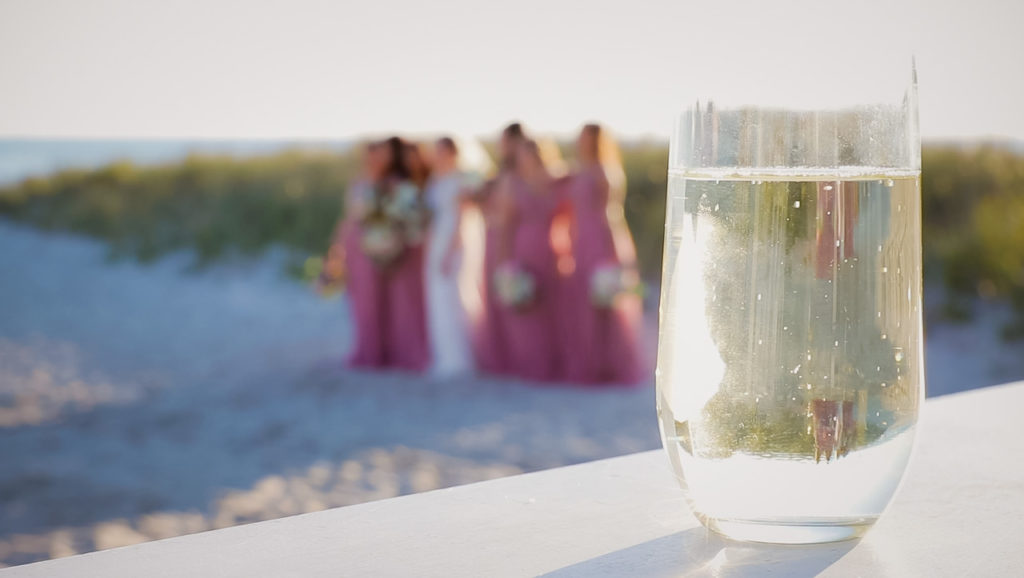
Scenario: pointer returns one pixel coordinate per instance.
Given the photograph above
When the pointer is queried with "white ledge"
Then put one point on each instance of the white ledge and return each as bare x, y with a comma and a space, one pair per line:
959, 512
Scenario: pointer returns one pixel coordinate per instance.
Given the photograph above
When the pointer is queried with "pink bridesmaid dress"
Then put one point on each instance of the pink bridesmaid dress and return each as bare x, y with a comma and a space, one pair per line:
364, 285
532, 344
489, 343
407, 346
603, 345
405, 316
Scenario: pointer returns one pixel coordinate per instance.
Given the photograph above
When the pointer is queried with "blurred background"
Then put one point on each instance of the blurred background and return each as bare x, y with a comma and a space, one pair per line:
171, 174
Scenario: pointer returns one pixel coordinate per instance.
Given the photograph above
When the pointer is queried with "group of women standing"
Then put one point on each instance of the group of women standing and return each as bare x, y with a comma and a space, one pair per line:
527, 274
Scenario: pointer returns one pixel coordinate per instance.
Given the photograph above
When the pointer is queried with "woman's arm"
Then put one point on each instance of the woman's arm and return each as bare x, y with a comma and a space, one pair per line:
615, 211
357, 201
332, 271
478, 194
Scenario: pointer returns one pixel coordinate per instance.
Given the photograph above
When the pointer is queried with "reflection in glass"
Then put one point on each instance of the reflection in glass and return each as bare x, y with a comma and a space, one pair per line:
790, 356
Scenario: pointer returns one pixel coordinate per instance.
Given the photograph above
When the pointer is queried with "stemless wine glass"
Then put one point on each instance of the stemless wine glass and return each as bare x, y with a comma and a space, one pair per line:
790, 366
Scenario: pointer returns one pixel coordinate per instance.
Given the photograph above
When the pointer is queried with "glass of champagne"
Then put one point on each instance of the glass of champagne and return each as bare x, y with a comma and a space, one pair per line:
790, 366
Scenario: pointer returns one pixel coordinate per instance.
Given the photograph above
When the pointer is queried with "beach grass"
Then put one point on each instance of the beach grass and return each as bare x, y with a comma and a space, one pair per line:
223, 206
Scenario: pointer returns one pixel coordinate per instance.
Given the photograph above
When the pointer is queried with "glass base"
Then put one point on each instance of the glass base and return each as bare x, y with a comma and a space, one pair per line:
797, 531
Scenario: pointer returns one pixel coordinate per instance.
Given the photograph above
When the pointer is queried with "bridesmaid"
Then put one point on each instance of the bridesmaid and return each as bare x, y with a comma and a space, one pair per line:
604, 344
490, 339
526, 207
405, 321
364, 279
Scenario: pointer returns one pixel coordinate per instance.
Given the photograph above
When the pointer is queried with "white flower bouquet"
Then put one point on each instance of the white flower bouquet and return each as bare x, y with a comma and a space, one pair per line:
608, 282
406, 206
381, 241
514, 286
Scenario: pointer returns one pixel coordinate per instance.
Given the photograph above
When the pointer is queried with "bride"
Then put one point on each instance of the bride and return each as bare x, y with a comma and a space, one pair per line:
452, 292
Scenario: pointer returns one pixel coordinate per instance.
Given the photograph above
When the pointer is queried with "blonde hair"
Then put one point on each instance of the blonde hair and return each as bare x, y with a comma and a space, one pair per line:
551, 157
610, 159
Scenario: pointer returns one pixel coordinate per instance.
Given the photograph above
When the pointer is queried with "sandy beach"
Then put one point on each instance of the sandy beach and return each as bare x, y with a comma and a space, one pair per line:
140, 402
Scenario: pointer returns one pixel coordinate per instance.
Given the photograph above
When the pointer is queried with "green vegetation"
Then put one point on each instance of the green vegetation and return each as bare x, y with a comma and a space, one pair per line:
646, 167
973, 204
223, 206
215, 206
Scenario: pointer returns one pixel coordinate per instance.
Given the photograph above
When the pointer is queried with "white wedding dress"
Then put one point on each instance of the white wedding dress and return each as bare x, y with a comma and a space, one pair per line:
447, 322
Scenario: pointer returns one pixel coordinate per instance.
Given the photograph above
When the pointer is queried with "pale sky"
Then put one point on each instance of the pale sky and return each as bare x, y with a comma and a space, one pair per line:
336, 69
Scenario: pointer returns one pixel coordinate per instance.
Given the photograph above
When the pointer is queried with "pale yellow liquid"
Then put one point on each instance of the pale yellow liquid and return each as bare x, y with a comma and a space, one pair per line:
790, 354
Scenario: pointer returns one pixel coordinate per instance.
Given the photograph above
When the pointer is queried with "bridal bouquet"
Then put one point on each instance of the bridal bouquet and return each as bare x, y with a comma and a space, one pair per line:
607, 282
514, 286
405, 206
398, 219
381, 241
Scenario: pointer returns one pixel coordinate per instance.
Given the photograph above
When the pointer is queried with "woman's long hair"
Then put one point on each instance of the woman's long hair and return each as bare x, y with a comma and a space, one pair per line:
608, 155
552, 158
534, 151
610, 159
416, 164
513, 134
397, 168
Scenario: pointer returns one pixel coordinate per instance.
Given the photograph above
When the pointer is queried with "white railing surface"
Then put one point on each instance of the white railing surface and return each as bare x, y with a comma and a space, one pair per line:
959, 512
